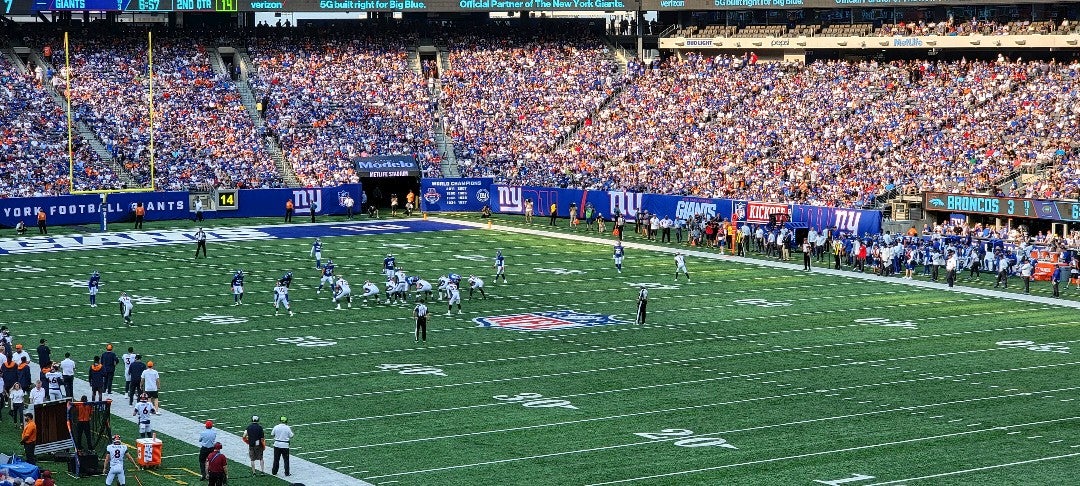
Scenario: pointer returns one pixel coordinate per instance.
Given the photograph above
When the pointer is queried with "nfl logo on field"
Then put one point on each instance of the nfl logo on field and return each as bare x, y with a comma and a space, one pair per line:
547, 320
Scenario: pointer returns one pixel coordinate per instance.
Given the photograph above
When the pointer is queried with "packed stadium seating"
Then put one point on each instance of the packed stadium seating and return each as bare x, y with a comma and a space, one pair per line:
33, 142
341, 96
510, 99
202, 133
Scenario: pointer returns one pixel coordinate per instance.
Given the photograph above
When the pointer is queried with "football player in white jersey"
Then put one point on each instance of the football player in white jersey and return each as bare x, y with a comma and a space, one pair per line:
125, 307
423, 288
342, 292
281, 297
476, 284
680, 266
143, 411
114, 459
444, 283
370, 290
399, 275
401, 291
453, 297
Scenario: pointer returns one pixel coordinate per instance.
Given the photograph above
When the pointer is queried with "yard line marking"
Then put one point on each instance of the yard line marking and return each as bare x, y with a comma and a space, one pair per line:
726, 466
977, 469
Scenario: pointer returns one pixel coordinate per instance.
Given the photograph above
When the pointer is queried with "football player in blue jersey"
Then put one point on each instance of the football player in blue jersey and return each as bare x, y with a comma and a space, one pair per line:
238, 287
93, 284
618, 255
500, 267
389, 265
286, 279
455, 279
327, 275
316, 251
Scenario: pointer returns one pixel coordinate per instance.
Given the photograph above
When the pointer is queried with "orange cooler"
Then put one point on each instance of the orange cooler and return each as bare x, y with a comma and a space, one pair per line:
149, 452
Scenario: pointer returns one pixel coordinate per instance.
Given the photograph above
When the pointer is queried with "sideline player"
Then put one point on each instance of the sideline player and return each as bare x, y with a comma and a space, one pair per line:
114, 457
475, 283
453, 297
370, 290
642, 302
500, 267
316, 251
143, 410
93, 284
125, 307
327, 275
618, 256
680, 266
342, 292
238, 287
281, 296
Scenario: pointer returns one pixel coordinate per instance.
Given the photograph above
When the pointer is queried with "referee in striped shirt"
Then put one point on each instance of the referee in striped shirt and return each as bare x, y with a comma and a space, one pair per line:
642, 301
200, 242
420, 313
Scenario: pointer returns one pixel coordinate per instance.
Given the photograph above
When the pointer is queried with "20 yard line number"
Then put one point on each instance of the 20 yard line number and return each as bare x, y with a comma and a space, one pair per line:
685, 438
413, 369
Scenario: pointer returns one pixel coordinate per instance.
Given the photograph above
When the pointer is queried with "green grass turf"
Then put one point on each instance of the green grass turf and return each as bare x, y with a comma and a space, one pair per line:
772, 363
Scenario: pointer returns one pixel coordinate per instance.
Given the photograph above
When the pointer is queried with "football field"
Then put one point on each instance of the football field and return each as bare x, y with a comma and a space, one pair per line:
745, 374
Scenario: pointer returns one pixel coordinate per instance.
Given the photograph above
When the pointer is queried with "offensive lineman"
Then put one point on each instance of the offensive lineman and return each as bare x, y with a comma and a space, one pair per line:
342, 292
281, 296
444, 284
238, 287
680, 266
370, 289
93, 284
114, 454
143, 410
316, 251
327, 275
125, 307
618, 256
475, 283
401, 288
423, 287
453, 297
500, 267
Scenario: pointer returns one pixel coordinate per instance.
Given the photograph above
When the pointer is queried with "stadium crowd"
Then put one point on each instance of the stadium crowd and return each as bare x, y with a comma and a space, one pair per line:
34, 142
510, 99
334, 97
554, 108
202, 133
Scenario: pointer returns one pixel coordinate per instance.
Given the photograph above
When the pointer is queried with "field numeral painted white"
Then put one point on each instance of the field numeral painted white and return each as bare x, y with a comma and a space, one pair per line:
855, 477
75, 283
220, 320
473, 258
653, 285
413, 369
22, 269
687, 440
535, 400
1031, 345
402, 246
762, 303
148, 300
306, 341
887, 322
559, 271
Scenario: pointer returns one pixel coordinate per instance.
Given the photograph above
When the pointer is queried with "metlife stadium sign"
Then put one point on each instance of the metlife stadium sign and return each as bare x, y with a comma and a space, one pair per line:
387, 166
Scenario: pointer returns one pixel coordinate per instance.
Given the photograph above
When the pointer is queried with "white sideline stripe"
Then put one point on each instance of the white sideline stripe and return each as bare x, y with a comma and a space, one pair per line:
186, 430
847, 449
774, 264
977, 469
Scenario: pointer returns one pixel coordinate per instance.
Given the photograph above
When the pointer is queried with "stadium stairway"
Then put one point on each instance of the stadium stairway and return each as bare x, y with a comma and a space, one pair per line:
243, 88
81, 128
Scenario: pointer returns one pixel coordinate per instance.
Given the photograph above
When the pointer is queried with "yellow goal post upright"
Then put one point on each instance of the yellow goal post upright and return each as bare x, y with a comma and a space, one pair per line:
104, 193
